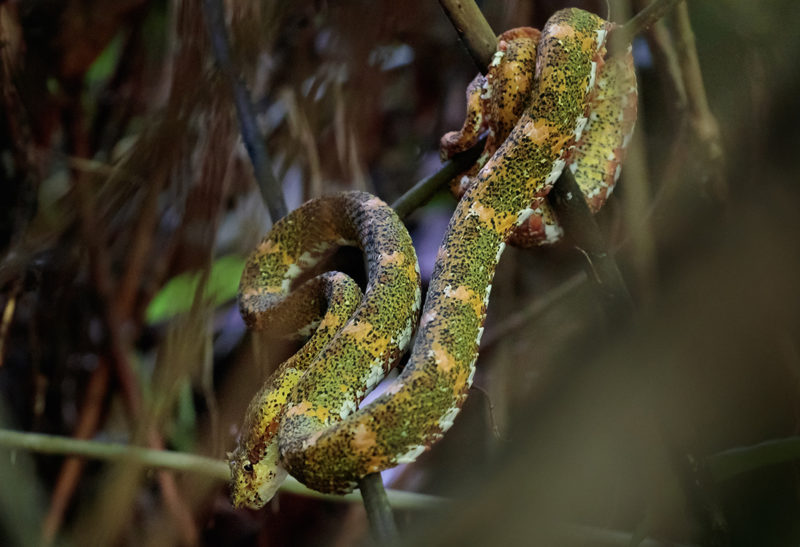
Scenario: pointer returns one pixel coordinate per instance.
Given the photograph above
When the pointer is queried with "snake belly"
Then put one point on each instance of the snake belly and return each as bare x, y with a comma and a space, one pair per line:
322, 440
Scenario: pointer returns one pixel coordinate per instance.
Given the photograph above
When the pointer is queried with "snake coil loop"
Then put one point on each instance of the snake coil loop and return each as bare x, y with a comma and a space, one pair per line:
306, 420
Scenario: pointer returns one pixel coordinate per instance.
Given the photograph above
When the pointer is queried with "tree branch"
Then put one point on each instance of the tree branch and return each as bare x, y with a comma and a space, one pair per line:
182, 462
620, 38
421, 192
269, 186
379, 512
473, 29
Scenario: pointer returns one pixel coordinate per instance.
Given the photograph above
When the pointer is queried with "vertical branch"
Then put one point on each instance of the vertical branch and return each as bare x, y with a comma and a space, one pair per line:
701, 118
379, 512
270, 188
575, 216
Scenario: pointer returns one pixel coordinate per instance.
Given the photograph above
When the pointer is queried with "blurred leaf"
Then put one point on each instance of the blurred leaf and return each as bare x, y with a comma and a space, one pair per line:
177, 295
184, 428
103, 67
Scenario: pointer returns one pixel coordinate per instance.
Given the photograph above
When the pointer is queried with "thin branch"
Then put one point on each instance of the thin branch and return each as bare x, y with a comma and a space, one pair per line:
622, 37
536, 308
591, 535
270, 188
722, 465
473, 29
116, 342
735, 461
71, 470
575, 216
422, 191
182, 462
668, 67
379, 512
702, 120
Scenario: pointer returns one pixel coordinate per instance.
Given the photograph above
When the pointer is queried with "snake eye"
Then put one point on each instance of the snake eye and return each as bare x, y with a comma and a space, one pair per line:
248, 467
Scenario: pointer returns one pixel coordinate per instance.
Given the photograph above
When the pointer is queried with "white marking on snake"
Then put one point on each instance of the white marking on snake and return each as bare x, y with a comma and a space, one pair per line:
411, 455
523, 216
555, 172
446, 421
500, 250
348, 407
375, 375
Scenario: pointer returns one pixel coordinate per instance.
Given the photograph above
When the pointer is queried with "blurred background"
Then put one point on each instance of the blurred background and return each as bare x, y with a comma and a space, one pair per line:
128, 204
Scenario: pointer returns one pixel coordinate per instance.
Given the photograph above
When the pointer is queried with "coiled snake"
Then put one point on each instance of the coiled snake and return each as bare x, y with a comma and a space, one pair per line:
305, 420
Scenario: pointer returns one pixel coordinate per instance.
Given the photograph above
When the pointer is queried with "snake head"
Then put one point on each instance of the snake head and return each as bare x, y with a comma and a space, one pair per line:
255, 481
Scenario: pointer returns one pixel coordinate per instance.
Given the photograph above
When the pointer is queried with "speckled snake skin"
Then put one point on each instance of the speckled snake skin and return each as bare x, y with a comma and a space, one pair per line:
306, 420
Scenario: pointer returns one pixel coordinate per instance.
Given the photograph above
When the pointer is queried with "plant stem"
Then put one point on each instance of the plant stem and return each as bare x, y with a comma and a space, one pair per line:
729, 463
422, 191
182, 462
574, 215
269, 186
622, 37
473, 29
379, 512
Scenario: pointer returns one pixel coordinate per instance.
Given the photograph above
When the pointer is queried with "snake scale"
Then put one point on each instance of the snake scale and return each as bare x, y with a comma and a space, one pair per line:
548, 101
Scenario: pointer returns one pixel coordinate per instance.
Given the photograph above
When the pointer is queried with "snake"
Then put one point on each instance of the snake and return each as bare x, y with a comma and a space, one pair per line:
550, 100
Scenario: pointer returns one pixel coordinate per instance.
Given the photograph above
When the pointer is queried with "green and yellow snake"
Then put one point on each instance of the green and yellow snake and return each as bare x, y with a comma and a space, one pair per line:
542, 95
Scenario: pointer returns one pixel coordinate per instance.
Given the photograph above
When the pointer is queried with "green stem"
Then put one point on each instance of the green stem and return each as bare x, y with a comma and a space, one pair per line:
271, 190
735, 461
473, 29
177, 461
379, 511
422, 191
649, 16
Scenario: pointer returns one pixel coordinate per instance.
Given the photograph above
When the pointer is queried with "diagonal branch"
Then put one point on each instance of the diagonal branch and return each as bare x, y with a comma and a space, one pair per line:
269, 186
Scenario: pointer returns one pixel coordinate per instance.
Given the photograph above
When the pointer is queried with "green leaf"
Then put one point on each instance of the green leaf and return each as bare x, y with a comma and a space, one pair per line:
183, 435
103, 66
177, 295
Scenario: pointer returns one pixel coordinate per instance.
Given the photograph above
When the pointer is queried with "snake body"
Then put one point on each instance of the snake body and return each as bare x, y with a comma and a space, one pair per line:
305, 420
496, 101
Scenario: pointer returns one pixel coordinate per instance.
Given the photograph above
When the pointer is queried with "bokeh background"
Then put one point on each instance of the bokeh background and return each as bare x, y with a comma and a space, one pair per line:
125, 188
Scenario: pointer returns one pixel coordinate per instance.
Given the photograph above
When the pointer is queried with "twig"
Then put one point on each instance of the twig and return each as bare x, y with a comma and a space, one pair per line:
71, 470
579, 224
422, 191
473, 29
181, 462
115, 344
702, 120
668, 67
270, 188
620, 39
591, 535
722, 465
379, 512
735, 461
534, 309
